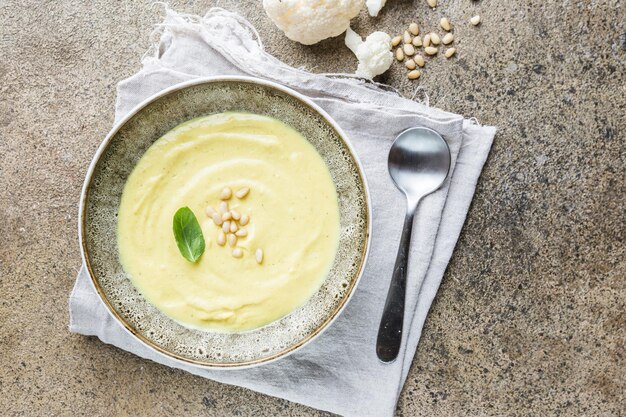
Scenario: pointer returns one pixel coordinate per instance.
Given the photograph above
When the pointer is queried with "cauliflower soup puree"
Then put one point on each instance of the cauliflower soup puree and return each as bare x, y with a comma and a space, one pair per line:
267, 207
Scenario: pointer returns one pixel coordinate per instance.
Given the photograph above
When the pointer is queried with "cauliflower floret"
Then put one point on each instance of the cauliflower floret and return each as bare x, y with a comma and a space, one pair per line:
374, 6
374, 54
310, 21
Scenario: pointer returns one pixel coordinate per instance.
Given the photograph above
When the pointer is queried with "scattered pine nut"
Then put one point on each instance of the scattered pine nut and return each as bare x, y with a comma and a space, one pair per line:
427, 40
258, 255
448, 39
241, 233
432, 3
449, 52
233, 227
226, 226
407, 37
408, 49
419, 60
399, 54
232, 240
237, 253
221, 238
414, 75
242, 192
475, 20
244, 220
227, 216
435, 39
410, 64
226, 193
217, 219
223, 207
396, 41
445, 24
431, 50
414, 29
417, 41
235, 214
210, 211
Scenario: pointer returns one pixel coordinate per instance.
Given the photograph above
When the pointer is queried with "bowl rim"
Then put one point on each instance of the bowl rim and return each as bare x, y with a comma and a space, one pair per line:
82, 226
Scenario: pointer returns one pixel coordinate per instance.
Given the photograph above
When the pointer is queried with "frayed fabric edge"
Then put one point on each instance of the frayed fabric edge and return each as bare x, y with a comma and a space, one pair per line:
157, 48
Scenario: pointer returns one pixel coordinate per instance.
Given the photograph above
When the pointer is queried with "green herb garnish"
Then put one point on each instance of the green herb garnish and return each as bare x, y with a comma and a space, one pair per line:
188, 234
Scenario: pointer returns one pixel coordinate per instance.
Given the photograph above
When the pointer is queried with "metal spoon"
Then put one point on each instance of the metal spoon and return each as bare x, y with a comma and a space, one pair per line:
419, 162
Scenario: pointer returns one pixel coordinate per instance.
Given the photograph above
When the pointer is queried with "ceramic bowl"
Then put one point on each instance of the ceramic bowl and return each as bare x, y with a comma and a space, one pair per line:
115, 160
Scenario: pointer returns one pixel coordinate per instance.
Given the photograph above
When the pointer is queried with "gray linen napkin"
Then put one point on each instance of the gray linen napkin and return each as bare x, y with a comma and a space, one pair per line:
339, 371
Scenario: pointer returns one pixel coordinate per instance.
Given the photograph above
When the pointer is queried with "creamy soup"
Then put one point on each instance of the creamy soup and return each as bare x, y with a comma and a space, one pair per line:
291, 211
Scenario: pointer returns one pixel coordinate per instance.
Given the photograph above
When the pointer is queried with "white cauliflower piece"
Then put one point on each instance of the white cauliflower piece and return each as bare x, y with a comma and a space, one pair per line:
374, 6
374, 54
310, 21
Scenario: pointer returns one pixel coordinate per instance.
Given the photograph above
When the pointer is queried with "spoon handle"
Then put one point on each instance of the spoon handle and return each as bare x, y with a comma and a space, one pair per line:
390, 330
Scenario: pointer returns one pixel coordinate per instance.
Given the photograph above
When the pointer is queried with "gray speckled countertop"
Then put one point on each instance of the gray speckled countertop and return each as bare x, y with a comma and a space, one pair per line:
530, 318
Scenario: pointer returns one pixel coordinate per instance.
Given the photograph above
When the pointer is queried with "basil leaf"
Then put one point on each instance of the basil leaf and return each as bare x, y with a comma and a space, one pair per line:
188, 234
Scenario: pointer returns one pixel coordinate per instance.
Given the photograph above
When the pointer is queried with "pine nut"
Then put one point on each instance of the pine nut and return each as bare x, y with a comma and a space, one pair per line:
448, 39
235, 214
445, 24
210, 211
226, 226
223, 207
217, 219
258, 255
417, 41
399, 54
396, 41
414, 75
232, 240
221, 238
410, 64
431, 50
227, 216
449, 52
432, 3
241, 233
233, 227
409, 49
407, 37
226, 193
427, 40
237, 253
242, 192
435, 39
244, 220
419, 60
414, 29
475, 20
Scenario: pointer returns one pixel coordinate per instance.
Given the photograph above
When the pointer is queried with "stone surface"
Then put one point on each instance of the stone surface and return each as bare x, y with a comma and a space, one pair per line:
530, 318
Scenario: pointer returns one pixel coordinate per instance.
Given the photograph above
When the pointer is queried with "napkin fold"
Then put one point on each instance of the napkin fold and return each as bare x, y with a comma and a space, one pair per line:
339, 371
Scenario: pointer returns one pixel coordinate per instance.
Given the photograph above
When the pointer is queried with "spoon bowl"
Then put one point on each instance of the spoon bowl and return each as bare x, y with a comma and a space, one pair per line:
419, 163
